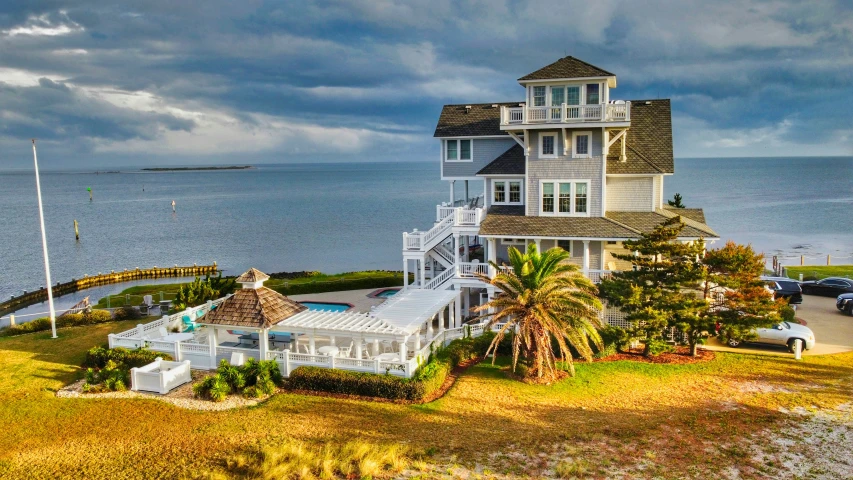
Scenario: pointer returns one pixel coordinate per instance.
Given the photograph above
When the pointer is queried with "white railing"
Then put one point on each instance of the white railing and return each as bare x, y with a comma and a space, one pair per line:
443, 211
610, 112
142, 333
448, 217
440, 279
471, 269
469, 217
597, 275
444, 253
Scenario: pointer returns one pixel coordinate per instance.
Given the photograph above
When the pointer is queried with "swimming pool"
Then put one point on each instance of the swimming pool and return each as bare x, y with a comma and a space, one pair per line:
384, 293
327, 306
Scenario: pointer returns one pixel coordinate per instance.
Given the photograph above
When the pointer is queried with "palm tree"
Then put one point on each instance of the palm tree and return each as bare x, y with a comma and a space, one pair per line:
545, 297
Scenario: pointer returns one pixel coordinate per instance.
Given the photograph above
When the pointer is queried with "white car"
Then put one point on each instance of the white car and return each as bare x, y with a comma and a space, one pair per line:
782, 334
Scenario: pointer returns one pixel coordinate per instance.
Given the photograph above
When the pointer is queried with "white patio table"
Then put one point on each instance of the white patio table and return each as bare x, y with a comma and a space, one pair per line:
330, 350
389, 357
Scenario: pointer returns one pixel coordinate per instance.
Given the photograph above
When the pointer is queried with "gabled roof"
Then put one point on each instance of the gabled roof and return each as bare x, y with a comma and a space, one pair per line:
567, 67
649, 142
253, 307
481, 119
511, 162
510, 221
695, 214
251, 276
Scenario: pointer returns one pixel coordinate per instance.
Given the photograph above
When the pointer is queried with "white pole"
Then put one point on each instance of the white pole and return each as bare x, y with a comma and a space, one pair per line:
44, 246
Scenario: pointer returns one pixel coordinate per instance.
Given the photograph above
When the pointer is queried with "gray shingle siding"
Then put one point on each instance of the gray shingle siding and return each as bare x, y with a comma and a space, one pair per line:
565, 168
484, 151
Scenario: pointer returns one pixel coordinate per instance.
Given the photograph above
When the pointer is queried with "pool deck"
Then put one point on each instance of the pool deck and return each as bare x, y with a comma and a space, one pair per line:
358, 298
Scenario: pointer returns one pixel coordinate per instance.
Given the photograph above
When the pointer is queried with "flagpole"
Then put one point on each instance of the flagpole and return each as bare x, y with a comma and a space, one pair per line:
44, 246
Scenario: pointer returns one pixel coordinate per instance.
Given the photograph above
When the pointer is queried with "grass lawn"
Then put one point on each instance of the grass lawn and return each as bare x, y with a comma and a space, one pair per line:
820, 271
621, 419
171, 289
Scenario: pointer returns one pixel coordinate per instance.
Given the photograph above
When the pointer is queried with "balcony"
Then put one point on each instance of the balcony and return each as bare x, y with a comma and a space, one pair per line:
566, 114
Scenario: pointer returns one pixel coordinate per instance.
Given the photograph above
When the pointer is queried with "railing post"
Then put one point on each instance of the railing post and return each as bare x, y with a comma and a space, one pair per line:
376, 366
179, 357
286, 362
140, 330
111, 338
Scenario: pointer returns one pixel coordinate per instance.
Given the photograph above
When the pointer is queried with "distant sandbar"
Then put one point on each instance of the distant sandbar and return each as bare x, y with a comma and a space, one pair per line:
183, 169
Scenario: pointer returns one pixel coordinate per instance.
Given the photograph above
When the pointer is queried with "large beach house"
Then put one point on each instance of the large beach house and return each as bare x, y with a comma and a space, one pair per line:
568, 166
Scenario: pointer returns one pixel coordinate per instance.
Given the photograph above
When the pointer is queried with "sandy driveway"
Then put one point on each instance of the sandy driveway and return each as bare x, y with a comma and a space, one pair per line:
833, 330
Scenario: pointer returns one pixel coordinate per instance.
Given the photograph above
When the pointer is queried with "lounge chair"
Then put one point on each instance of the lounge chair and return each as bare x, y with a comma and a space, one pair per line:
163, 332
344, 352
188, 323
237, 359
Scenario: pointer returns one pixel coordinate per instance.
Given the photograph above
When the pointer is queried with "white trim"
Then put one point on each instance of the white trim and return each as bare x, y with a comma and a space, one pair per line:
458, 158
502, 176
506, 182
576, 79
541, 137
462, 178
472, 136
550, 126
575, 135
603, 179
556, 212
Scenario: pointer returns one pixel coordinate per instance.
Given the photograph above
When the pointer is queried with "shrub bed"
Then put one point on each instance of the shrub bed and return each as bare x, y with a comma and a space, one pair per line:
427, 380
69, 320
254, 379
320, 286
109, 368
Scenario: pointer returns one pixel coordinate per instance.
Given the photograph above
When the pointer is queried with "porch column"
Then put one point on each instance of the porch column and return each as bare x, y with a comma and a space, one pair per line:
423, 271
331, 340
213, 340
453, 193
586, 258
311, 344
441, 320
429, 329
405, 273
358, 351
538, 243
493, 256
417, 340
466, 240
467, 198
375, 347
264, 342
403, 351
466, 301
485, 194
456, 253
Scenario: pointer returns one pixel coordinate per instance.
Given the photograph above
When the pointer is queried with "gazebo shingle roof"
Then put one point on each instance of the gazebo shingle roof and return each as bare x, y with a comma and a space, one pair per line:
254, 308
252, 275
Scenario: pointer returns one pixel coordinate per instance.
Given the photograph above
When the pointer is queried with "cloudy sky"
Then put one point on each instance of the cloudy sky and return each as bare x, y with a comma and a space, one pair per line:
214, 81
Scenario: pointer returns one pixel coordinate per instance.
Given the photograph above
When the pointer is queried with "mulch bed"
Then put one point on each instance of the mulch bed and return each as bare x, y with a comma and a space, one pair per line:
681, 355
448, 383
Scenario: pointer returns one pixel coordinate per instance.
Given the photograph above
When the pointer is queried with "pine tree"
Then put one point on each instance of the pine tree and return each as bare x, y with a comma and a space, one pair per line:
660, 290
676, 201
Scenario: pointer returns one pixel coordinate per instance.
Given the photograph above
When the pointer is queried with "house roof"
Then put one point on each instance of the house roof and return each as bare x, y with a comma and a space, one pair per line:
251, 276
696, 214
648, 145
482, 119
567, 67
511, 162
510, 221
253, 307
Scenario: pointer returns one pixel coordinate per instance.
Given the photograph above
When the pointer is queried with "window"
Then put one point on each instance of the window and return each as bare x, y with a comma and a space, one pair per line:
500, 192
538, 96
513, 241
548, 145
557, 96
581, 144
507, 192
514, 192
573, 96
458, 151
580, 198
565, 198
548, 198
565, 245
592, 96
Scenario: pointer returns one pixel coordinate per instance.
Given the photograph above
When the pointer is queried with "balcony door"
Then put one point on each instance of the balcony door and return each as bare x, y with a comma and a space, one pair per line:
573, 98
558, 98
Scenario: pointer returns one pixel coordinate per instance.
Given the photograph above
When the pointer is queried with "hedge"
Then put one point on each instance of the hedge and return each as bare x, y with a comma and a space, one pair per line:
321, 286
427, 380
98, 357
68, 320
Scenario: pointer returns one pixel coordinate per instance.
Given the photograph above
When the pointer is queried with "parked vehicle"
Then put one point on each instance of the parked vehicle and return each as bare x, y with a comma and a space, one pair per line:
782, 334
844, 302
829, 287
786, 288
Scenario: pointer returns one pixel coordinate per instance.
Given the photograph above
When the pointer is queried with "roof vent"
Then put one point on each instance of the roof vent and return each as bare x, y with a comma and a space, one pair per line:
648, 103
494, 105
467, 108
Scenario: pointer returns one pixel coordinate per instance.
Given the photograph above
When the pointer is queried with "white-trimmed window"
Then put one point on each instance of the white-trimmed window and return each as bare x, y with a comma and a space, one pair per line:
458, 150
547, 145
593, 93
581, 144
539, 96
507, 192
565, 245
513, 241
568, 198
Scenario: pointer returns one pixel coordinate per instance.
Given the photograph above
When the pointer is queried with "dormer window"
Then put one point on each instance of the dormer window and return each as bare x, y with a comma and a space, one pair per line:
458, 150
538, 96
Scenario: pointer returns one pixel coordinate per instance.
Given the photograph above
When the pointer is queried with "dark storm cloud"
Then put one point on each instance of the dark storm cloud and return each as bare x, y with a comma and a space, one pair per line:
745, 77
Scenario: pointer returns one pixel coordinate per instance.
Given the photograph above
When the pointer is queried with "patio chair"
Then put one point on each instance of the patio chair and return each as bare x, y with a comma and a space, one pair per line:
237, 359
344, 352
387, 346
188, 323
163, 332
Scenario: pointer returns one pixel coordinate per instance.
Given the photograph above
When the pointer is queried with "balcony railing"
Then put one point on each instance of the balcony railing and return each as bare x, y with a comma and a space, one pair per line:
610, 112
448, 217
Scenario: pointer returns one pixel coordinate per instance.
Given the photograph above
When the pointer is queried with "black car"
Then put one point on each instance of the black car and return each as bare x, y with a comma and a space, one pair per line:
829, 287
784, 288
844, 302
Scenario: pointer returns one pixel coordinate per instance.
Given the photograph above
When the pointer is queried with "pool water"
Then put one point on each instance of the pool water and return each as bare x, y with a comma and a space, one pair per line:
327, 307
387, 293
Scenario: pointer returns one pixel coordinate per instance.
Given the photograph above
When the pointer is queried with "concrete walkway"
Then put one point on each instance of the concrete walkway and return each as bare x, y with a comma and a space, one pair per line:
358, 298
833, 330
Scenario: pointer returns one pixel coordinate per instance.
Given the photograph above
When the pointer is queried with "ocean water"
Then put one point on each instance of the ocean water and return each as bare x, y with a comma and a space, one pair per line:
344, 217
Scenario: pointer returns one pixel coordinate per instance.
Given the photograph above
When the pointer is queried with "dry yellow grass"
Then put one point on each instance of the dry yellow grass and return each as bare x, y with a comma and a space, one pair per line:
682, 420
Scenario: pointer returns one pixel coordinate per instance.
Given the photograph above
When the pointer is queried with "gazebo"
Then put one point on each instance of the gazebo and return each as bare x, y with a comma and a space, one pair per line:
253, 308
